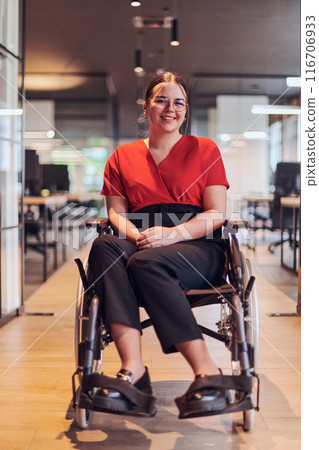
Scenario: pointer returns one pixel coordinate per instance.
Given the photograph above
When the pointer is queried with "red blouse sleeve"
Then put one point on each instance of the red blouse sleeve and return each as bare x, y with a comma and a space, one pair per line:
112, 177
216, 174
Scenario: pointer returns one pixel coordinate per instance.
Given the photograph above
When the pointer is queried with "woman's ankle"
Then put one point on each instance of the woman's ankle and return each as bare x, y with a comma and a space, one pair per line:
207, 371
137, 370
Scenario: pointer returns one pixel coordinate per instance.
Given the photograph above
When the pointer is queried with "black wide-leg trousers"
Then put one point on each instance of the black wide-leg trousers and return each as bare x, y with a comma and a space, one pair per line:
154, 278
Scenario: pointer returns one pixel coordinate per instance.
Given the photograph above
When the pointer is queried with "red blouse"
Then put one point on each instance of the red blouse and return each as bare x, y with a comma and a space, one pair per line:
192, 164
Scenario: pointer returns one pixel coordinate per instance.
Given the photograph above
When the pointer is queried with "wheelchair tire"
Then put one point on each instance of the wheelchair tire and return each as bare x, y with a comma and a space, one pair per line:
83, 322
251, 313
252, 333
251, 324
79, 308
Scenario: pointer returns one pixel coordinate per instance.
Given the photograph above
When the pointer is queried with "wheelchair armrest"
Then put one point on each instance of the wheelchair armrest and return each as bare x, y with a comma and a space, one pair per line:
100, 224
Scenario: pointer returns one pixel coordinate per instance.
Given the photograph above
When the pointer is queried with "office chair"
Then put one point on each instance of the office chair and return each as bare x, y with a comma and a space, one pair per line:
287, 184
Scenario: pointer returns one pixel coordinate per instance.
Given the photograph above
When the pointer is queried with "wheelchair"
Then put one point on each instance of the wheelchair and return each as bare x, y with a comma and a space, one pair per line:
237, 328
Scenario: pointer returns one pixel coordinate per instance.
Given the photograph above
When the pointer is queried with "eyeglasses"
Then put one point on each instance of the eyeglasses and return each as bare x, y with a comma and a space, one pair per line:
179, 104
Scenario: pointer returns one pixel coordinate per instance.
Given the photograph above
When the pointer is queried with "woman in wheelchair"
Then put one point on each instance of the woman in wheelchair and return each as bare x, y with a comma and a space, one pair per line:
166, 201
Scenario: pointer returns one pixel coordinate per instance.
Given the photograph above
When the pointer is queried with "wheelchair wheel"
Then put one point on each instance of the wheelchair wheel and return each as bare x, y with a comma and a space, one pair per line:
86, 328
252, 333
249, 311
80, 306
251, 315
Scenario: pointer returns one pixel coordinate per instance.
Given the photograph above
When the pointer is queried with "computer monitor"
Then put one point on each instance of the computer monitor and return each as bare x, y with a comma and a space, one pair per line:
287, 183
32, 173
287, 178
55, 177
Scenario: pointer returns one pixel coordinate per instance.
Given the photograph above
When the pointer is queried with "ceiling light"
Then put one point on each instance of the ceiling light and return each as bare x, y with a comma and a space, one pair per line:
225, 137
35, 134
255, 134
11, 112
50, 134
39, 134
48, 82
135, 3
293, 81
275, 109
138, 68
174, 40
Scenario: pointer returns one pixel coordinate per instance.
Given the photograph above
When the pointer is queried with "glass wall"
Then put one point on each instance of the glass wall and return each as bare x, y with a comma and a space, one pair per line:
11, 160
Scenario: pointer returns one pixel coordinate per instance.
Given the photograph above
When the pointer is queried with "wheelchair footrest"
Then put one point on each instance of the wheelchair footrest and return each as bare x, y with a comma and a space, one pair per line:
241, 405
141, 404
188, 407
241, 383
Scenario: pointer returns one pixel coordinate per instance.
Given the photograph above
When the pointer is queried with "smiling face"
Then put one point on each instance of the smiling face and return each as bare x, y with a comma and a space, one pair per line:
162, 105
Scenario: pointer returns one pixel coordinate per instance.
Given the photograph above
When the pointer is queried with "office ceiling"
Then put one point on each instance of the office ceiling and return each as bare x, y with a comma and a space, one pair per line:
84, 49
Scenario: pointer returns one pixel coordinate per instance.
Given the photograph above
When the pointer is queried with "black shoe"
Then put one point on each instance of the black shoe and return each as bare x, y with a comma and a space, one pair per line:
201, 399
142, 384
212, 398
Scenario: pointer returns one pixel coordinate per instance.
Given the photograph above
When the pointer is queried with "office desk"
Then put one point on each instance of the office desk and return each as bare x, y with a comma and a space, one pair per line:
294, 203
51, 202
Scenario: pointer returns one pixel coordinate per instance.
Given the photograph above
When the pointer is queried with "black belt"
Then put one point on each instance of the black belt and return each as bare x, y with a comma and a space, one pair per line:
168, 215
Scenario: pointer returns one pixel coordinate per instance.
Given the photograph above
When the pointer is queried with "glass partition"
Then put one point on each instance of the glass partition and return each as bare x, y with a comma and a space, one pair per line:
9, 25
11, 160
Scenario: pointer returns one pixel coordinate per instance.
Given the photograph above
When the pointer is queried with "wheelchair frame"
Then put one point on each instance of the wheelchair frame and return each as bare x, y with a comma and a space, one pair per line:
237, 328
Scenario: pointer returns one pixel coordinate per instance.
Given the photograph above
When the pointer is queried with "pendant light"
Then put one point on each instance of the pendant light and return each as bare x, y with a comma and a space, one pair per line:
138, 68
174, 37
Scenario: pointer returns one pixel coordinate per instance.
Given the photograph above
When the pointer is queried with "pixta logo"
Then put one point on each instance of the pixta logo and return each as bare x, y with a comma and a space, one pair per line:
68, 225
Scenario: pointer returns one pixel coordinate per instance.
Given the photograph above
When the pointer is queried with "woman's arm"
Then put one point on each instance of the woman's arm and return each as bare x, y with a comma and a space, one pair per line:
214, 204
117, 208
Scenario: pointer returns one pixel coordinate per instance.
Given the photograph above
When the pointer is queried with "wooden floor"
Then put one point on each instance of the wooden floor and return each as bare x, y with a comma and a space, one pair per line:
36, 364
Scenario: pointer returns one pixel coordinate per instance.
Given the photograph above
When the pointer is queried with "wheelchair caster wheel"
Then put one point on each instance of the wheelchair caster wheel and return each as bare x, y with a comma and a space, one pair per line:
82, 417
249, 419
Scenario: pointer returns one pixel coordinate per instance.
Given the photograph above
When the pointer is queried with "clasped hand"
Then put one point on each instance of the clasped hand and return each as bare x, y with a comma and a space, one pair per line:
157, 237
